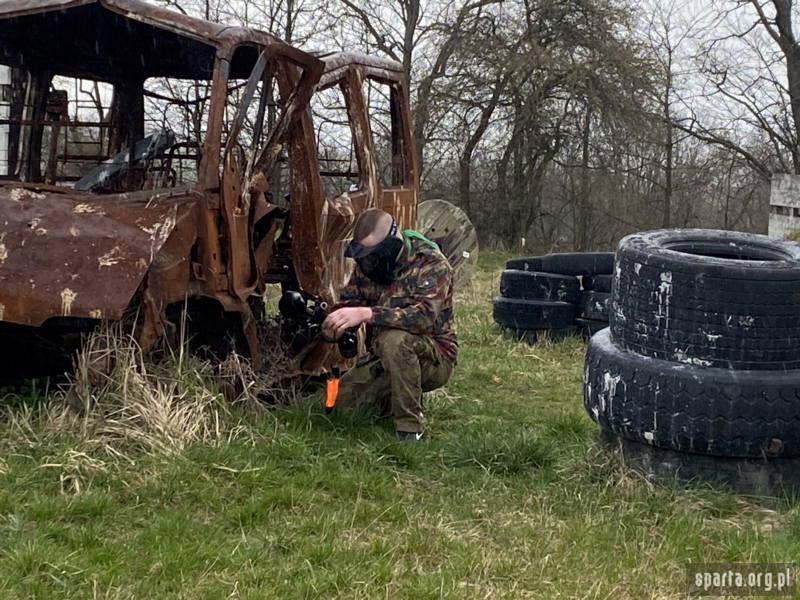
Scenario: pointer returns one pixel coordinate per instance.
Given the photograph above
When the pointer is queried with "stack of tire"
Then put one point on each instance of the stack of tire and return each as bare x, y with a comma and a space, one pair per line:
699, 372
557, 294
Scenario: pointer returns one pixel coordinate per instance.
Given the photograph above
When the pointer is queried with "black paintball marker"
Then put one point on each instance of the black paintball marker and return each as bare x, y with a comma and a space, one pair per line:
301, 323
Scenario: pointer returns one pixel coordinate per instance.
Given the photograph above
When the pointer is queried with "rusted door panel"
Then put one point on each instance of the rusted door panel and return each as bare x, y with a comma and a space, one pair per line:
239, 212
401, 200
321, 226
353, 91
240, 273
170, 274
307, 198
73, 256
236, 204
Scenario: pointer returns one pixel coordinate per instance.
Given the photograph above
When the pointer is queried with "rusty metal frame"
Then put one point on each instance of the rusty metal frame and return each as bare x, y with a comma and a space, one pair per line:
70, 254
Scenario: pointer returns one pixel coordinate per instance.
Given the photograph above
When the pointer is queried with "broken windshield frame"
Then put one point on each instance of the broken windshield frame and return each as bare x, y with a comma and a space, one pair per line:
295, 82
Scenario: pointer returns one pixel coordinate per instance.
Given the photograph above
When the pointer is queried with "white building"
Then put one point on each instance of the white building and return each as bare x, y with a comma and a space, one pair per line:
784, 204
5, 96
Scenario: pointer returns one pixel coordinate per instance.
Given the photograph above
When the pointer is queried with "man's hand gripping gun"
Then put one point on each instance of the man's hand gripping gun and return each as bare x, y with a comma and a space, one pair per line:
300, 324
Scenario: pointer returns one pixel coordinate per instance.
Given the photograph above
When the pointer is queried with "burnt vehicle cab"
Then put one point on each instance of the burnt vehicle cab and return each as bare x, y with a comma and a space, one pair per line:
159, 165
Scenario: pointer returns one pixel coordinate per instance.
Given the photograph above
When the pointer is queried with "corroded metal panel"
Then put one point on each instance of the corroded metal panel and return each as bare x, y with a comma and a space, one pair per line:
74, 255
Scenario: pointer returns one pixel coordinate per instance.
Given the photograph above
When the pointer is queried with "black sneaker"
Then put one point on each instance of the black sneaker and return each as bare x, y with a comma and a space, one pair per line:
408, 436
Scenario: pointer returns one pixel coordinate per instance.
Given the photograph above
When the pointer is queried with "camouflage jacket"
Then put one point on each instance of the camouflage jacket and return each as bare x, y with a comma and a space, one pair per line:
419, 300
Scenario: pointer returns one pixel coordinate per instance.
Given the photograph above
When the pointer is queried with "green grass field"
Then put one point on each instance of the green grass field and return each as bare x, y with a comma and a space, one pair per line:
510, 497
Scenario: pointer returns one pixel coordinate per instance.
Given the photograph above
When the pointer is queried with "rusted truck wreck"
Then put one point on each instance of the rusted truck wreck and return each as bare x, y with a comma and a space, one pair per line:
110, 212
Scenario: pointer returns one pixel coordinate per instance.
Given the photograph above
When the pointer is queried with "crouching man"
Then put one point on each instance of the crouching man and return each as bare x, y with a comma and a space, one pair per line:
402, 285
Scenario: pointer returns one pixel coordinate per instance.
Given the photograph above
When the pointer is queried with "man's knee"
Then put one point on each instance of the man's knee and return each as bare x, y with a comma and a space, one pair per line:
365, 387
354, 386
394, 343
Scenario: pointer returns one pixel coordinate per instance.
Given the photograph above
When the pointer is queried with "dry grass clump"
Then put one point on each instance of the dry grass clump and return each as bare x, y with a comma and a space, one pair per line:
75, 470
122, 401
276, 382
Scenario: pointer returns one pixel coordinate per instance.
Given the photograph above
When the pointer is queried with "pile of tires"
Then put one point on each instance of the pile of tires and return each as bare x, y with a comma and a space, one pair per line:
699, 372
556, 294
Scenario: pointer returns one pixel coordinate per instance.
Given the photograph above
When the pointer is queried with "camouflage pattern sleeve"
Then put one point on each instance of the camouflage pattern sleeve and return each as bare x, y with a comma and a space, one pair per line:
417, 305
359, 291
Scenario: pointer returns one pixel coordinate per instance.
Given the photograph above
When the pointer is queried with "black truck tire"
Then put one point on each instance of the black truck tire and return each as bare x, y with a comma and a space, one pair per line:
530, 285
568, 263
594, 306
518, 314
689, 408
597, 283
765, 477
709, 298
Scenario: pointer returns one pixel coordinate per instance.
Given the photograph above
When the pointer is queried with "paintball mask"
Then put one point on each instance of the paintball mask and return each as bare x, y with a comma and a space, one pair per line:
377, 262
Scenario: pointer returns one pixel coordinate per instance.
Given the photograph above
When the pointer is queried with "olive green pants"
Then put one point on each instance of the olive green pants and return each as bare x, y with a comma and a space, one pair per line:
391, 384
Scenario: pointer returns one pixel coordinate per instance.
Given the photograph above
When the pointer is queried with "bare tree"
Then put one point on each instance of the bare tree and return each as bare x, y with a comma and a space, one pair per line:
749, 63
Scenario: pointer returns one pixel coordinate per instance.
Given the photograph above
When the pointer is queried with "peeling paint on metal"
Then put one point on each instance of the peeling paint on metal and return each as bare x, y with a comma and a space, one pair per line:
18, 194
96, 314
74, 231
67, 298
3, 250
159, 233
111, 258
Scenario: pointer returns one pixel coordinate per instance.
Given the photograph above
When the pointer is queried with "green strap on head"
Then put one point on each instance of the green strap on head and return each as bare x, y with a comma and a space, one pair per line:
410, 233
